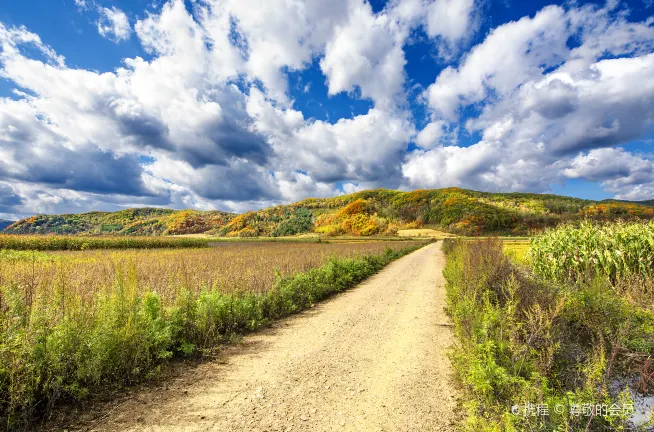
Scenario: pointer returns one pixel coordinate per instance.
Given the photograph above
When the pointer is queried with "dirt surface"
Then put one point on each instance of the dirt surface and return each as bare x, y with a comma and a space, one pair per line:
371, 359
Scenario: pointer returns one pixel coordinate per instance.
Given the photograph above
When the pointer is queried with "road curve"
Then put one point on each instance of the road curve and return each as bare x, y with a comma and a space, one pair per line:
370, 359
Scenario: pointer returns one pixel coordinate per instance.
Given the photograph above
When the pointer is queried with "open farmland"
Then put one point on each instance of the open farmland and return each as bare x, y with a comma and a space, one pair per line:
60, 242
72, 322
226, 267
373, 358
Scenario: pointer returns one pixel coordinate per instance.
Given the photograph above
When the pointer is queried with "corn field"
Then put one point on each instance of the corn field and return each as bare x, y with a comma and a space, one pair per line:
579, 253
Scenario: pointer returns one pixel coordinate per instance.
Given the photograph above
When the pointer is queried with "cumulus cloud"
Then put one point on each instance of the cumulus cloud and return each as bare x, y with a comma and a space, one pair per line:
208, 120
510, 55
366, 53
112, 23
279, 34
543, 106
368, 147
628, 175
177, 129
452, 22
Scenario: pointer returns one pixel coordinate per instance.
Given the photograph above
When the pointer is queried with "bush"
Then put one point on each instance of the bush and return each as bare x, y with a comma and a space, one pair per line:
300, 222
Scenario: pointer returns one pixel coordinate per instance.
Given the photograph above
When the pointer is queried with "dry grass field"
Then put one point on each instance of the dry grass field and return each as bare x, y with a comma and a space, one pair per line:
75, 322
424, 232
226, 267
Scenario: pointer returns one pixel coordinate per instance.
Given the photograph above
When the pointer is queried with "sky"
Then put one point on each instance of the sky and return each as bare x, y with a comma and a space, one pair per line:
242, 104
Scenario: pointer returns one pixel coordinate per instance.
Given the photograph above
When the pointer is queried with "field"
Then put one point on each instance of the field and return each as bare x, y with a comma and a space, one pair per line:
582, 252
424, 232
73, 322
226, 267
518, 250
60, 242
565, 322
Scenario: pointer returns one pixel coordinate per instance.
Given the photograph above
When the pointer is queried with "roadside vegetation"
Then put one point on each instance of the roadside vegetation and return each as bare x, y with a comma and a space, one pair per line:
367, 213
73, 324
567, 326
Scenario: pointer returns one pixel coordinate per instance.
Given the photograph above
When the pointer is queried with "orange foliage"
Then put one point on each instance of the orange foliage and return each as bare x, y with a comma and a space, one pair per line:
450, 201
360, 225
356, 207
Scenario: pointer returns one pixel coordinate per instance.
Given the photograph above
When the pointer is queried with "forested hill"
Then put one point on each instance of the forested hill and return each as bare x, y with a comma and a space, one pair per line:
364, 213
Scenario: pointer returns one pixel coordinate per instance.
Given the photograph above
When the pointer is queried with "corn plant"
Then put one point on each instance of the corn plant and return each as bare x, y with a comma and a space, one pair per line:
578, 253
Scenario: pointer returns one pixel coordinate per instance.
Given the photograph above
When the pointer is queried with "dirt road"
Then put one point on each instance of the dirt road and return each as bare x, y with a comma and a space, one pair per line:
371, 359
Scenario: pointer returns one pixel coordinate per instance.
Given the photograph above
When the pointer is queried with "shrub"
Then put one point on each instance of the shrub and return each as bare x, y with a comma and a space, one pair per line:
301, 221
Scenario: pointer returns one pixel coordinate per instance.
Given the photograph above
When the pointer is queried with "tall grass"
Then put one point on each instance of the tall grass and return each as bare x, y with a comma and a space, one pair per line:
522, 339
616, 250
74, 323
229, 267
57, 242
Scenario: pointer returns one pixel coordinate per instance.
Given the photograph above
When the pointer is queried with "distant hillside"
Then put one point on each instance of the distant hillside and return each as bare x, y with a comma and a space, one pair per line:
5, 223
141, 221
364, 213
648, 203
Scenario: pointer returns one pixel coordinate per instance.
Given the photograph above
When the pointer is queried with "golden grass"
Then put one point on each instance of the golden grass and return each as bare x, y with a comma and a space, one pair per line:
227, 267
517, 250
424, 232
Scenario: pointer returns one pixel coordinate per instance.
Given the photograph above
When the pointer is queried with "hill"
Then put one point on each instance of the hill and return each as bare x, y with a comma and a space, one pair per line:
379, 211
140, 221
5, 223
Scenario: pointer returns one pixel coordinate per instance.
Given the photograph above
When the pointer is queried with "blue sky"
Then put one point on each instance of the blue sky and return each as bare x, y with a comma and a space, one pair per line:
241, 104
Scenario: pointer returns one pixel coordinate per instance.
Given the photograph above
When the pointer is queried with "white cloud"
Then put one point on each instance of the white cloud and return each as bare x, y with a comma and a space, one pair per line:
350, 188
113, 23
81, 4
609, 164
627, 175
542, 103
367, 53
280, 34
434, 134
450, 19
452, 22
209, 121
367, 147
511, 54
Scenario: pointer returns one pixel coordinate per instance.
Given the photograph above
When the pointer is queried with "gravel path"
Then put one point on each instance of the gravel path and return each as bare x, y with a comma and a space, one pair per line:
371, 359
